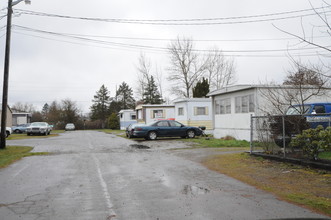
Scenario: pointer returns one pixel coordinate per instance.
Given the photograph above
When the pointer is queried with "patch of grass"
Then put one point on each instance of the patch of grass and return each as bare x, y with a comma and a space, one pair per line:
119, 133
111, 131
307, 187
216, 143
14, 153
57, 131
325, 155
25, 136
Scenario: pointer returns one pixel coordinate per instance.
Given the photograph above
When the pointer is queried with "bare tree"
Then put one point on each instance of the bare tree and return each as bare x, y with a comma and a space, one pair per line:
308, 37
158, 76
144, 69
23, 107
323, 16
145, 72
301, 84
186, 66
220, 71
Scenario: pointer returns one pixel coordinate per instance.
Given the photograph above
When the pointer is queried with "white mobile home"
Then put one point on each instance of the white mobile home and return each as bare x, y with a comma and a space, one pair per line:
127, 117
149, 113
20, 118
233, 106
194, 112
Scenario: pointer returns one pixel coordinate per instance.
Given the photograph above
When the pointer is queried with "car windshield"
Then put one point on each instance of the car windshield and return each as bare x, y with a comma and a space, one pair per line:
297, 110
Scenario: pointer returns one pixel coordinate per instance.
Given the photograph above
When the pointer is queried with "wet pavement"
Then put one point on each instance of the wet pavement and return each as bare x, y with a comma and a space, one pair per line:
93, 175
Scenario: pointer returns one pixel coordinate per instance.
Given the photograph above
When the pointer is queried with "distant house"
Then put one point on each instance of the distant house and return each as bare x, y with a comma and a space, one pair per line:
20, 118
127, 117
194, 112
9, 122
233, 106
149, 113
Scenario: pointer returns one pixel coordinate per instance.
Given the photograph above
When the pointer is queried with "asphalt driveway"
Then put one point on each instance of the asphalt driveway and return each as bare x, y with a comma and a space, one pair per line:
93, 175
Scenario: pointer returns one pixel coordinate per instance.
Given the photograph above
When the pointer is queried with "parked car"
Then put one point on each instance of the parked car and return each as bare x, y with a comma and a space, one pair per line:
38, 128
69, 127
130, 129
8, 131
20, 128
165, 128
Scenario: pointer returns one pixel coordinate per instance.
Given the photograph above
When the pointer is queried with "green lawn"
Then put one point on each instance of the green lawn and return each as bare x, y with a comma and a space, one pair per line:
325, 155
14, 153
15, 136
300, 185
216, 143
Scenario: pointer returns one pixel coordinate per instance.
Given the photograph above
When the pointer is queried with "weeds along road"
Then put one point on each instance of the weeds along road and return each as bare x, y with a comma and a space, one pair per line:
93, 175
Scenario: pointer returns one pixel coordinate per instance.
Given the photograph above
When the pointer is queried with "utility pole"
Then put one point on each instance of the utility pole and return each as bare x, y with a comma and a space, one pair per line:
6, 73
5, 78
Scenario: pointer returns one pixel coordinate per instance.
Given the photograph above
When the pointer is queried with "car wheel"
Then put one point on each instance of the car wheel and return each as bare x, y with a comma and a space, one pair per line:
17, 131
7, 134
28, 134
152, 135
190, 134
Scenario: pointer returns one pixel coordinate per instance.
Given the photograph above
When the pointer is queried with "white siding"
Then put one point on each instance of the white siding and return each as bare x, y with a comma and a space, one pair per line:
190, 110
166, 113
126, 118
238, 124
234, 124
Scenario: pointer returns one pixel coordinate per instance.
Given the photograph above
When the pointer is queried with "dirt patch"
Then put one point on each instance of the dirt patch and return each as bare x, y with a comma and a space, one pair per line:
310, 188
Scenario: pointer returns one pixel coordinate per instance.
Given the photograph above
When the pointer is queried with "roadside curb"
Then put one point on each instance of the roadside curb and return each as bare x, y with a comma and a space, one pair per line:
307, 163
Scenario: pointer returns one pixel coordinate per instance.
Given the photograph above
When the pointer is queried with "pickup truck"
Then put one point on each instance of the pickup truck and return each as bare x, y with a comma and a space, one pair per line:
299, 118
315, 113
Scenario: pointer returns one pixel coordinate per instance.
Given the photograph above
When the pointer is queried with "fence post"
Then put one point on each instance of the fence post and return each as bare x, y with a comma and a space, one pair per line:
284, 141
251, 142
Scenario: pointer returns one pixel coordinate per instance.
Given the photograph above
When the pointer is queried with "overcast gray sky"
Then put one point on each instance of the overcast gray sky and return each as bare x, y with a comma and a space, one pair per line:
46, 66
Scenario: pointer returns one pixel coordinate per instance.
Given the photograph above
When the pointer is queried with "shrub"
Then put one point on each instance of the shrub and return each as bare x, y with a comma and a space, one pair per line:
227, 138
113, 121
313, 140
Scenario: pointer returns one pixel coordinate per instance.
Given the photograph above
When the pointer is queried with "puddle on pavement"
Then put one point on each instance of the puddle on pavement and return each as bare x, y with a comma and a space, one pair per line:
194, 190
139, 146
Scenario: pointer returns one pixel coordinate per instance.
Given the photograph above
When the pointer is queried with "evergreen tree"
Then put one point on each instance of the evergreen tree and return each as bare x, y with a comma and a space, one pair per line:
201, 89
115, 106
124, 97
44, 112
100, 107
114, 121
151, 94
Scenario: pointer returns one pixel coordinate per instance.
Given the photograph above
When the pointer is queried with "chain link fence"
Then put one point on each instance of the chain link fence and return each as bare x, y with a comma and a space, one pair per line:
273, 134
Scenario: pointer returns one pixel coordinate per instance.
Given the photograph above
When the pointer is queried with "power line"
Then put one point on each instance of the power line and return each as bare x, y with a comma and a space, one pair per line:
165, 52
167, 39
193, 21
138, 46
194, 40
